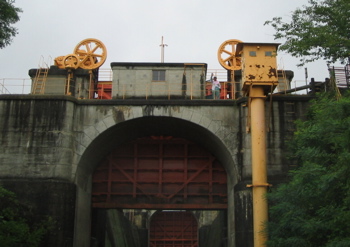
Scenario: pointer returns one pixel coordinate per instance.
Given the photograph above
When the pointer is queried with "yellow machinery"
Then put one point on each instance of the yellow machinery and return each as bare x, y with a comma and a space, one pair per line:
88, 54
230, 60
227, 55
258, 64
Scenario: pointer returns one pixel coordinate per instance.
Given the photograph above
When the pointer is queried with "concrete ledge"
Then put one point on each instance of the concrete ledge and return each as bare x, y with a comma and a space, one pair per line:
135, 102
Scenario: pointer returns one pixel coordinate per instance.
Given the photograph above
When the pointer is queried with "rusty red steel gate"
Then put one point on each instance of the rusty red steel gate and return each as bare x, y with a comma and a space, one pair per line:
173, 229
160, 173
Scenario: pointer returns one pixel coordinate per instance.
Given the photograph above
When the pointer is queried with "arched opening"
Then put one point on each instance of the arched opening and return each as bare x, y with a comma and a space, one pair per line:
135, 132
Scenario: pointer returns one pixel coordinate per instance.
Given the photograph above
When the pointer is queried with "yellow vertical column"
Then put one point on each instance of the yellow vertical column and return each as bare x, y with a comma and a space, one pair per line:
259, 170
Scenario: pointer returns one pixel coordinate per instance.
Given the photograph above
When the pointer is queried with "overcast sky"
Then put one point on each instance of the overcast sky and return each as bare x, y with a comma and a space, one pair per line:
132, 29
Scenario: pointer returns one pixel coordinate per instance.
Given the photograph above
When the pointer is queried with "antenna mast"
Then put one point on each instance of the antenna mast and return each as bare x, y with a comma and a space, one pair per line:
162, 45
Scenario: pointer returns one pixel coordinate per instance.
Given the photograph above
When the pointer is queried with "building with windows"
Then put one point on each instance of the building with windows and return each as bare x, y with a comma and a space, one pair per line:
158, 80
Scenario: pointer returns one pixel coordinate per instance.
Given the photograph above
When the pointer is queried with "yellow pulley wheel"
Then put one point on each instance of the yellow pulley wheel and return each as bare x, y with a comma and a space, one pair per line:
71, 61
227, 55
91, 53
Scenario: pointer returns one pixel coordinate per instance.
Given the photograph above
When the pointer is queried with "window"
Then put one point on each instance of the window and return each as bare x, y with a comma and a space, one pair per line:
158, 75
252, 53
268, 53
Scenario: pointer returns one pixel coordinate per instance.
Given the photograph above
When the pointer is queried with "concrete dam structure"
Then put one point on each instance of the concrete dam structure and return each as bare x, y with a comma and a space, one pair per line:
147, 159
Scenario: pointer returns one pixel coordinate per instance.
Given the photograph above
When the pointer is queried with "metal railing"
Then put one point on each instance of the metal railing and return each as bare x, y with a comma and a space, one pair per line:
221, 74
164, 89
23, 86
105, 74
15, 86
341, 75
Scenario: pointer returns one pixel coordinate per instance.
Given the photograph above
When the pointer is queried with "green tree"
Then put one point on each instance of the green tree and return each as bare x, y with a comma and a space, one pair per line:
16, 223
313, 208
320, 30
9, 15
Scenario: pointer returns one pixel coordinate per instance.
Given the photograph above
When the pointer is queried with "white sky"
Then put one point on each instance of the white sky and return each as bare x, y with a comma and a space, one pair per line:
132, 30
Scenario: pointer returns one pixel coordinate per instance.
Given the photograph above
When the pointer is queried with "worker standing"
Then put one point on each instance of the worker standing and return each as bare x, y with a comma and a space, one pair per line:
216, 87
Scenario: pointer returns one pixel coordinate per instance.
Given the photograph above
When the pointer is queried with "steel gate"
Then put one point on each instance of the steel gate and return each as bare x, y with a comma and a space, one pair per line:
173, 229
160, 173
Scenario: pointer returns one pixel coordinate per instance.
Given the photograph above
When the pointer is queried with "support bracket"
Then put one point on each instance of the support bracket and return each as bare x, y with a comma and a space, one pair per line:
259, 185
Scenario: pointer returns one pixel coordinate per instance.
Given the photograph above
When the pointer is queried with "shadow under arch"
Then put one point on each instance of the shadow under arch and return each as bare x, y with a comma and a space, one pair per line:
137, 128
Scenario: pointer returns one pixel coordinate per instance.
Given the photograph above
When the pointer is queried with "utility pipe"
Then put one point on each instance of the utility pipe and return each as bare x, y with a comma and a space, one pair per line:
259, 169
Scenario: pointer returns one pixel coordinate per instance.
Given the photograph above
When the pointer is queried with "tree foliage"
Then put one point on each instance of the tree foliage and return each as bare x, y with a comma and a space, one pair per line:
313, 208
17, 227
320, 30
9, 15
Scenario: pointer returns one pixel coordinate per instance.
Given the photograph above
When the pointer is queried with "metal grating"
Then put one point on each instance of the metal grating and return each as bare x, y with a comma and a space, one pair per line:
341, 75
158, 172
173, 229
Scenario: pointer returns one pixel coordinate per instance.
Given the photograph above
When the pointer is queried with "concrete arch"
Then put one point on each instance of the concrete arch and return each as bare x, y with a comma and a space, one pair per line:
146, 126
125, 130
220, 124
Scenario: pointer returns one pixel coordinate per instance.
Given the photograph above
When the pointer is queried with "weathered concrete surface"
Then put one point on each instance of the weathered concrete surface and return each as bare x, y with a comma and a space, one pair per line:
214, 235
119, 230
61, 138
181, 80
36, 139
56, 82
111, 228
243, 215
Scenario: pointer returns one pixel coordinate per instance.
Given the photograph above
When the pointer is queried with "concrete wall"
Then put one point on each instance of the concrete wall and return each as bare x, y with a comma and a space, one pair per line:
214, 235
134, 80
119, 231
35, 160
56, 82
58, 141
110, 228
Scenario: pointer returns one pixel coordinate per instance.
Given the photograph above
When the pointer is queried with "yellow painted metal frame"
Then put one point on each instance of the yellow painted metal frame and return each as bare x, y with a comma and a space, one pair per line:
88, 54
259, 77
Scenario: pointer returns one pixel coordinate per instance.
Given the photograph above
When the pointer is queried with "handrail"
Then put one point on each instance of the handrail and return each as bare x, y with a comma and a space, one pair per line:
3, 89
23, 86
15, 86
106, 74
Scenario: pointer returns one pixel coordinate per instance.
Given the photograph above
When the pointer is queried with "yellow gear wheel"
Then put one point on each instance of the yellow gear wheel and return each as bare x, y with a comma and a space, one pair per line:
91, 53
71, 61
227, 55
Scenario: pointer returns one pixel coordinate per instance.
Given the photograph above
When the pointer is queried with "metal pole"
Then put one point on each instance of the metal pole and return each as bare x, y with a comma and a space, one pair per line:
233, 85
306, 77
162, 51
259, 169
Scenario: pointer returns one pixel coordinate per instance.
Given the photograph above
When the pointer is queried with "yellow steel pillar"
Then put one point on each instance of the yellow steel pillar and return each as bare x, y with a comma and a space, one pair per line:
259, 77
259, 169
